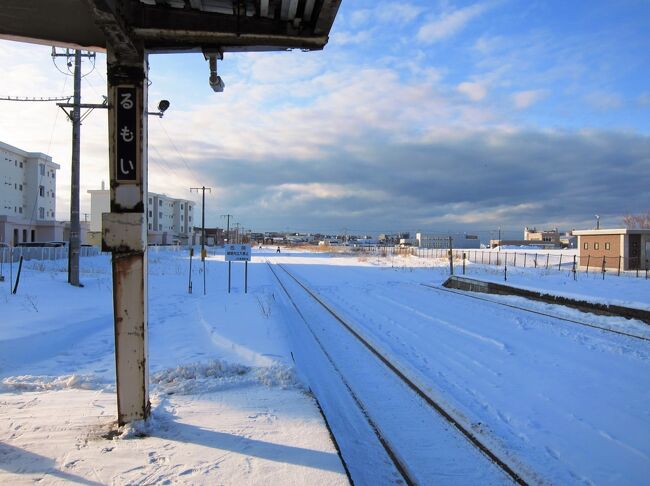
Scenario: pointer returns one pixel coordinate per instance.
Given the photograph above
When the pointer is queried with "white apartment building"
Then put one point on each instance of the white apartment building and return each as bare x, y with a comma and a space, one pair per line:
169, 220
27, 197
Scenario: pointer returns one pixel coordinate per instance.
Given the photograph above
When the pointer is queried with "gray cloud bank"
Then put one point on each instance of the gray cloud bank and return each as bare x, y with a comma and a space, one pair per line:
469, 181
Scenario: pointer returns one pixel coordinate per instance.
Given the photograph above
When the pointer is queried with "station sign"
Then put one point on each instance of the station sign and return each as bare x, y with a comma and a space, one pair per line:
127, 134
238, 253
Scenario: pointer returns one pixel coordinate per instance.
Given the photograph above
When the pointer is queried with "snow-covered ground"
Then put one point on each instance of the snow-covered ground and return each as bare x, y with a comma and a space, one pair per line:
227, 407
566, 403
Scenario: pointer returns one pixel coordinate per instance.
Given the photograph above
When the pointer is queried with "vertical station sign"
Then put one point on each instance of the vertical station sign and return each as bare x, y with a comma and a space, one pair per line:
127, 133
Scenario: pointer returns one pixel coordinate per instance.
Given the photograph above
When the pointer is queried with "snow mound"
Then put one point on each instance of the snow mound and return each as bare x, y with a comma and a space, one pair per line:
218, 375
39, 383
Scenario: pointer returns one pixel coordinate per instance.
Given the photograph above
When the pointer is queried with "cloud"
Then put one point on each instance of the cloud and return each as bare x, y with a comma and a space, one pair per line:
449, 23
315, 142
524, 99
604, 101
474, 91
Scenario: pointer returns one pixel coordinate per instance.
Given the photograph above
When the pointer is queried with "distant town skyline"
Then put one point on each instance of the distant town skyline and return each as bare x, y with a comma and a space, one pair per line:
432, 116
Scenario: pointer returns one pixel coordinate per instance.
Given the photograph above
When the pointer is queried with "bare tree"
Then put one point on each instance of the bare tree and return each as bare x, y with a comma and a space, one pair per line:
641, 220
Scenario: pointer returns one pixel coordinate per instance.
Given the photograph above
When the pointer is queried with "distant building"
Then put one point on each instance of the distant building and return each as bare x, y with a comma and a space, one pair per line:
544, 236
549, 239
629, 248
458, 240
27, 197
170, 221
213, 236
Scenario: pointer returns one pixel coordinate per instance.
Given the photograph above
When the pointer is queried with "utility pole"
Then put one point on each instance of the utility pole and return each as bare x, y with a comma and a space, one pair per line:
202, 189
74, 244
237, 225
227, 216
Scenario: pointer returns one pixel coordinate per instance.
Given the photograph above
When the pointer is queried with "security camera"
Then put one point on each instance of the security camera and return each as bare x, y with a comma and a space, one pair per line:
163, 105
216, 83
212, 55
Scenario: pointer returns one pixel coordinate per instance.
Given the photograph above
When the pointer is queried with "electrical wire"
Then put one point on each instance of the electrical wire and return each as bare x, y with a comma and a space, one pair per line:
176, 149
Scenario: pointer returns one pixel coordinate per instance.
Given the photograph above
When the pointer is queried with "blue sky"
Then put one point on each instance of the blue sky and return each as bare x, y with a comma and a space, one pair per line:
416, 116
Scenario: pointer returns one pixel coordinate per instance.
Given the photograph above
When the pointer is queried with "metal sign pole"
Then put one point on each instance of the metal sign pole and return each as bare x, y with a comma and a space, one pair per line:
229, 265
246, 277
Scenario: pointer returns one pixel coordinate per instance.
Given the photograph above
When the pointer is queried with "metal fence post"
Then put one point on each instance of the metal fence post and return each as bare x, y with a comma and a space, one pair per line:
603, 267
559, 265
575, 270
619, 266
588, 259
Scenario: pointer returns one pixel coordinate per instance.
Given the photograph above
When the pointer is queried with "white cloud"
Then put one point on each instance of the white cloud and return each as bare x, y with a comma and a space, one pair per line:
474, 91
604, 100
449, 23
524, 99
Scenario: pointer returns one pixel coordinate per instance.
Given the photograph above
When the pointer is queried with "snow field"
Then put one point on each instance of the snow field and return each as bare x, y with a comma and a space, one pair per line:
226, 405
230, 406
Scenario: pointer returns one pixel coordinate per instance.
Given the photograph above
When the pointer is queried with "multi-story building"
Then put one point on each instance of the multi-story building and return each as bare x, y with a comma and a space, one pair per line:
169, 220
27, 197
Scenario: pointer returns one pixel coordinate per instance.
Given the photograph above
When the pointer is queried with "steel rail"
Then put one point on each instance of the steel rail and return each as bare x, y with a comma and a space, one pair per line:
399, 464
594, 326
475, 441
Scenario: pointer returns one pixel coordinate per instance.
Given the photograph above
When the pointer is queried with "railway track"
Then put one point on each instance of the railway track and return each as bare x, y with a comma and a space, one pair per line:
545, 314
399, 459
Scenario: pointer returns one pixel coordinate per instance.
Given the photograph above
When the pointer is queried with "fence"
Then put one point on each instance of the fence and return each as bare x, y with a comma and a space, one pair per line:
549, 261
43, 253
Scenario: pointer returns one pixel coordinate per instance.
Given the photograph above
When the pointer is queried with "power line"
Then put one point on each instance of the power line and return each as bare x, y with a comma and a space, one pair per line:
175, 148
35, 98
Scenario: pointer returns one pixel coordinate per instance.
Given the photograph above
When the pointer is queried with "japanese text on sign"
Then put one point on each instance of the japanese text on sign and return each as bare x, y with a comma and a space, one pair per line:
126, 146
238, 253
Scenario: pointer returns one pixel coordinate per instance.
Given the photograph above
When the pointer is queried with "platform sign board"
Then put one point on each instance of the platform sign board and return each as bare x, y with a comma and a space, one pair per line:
238, 253
127, 135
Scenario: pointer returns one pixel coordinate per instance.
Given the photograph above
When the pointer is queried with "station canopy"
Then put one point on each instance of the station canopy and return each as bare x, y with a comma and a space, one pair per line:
171, 25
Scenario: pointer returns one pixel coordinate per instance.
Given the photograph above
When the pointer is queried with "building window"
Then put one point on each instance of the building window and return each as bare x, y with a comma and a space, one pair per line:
160, 214
181, 206
21, 165
40, 166
25, 235
33, 236
607, 246
20, 187
41, 191
41, 213
160, 227
150, 201
596, 246
149, 225
159, 203
20, 210
182, 217
150, 214
585, 246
